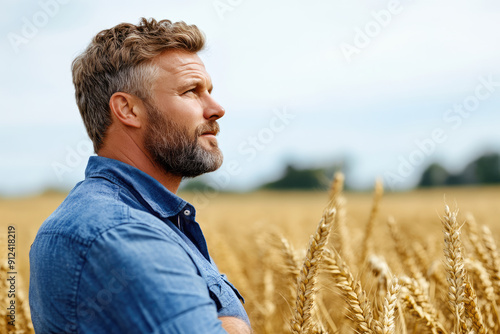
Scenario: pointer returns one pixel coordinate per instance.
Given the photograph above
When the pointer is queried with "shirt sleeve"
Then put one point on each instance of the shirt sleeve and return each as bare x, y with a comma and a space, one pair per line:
137, 279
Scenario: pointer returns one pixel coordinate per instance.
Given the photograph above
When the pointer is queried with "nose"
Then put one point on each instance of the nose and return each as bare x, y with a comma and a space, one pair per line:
213, 110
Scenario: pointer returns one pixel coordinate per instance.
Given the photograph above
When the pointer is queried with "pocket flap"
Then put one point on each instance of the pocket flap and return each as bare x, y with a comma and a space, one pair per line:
222, 291
238, 294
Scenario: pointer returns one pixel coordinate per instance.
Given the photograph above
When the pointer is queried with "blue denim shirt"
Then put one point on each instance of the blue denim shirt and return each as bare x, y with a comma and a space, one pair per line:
122, 254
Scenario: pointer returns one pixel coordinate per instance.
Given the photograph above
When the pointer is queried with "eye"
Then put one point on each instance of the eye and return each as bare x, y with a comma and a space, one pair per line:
192, 90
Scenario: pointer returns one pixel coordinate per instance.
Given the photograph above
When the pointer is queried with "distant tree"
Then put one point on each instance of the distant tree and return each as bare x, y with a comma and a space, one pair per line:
483, 170
487, 169
434, 175
299, 179
455, 180
466, 177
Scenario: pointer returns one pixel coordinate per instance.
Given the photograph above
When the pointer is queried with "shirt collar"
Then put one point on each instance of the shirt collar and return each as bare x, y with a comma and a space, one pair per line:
160, 199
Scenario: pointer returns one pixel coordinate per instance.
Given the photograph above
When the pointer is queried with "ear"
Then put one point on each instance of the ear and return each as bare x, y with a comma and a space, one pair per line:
128, 109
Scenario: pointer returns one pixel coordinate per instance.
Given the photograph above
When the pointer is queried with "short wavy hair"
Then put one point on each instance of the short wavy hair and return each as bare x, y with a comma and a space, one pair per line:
120, 60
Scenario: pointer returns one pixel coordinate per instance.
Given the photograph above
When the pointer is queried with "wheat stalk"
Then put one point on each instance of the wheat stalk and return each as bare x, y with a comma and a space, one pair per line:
381, 271
377, 196
341, 238
343, 242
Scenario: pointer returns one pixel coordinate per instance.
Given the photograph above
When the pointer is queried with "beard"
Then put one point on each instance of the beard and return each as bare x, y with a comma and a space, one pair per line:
175, 150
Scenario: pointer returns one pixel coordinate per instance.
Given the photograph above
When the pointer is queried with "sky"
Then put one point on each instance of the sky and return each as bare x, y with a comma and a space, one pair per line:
387, 87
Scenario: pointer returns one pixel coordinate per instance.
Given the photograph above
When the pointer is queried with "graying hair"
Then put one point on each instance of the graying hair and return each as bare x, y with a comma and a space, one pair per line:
120, 60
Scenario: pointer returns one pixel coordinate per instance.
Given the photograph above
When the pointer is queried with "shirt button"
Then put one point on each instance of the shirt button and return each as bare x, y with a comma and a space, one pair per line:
187, 212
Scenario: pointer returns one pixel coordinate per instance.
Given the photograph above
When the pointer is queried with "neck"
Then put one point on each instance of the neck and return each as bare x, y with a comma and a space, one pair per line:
122, 146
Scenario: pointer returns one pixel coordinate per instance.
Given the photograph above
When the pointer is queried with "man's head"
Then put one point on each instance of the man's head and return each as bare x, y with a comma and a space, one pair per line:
152, 72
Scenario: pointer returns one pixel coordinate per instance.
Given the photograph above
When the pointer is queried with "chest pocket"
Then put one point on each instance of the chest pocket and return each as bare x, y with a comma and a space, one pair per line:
222, 292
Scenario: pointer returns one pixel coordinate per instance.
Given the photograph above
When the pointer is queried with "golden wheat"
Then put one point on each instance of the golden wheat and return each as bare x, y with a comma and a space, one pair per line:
351, 277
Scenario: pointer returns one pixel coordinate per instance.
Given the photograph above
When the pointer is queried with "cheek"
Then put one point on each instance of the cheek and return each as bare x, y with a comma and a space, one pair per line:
186, 112
185, 104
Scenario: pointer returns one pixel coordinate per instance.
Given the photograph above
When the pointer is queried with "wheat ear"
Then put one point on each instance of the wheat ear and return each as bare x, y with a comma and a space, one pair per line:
493, 262
287, 252
454, 265
336, 187
388, 324
412, 306
302, 319
418, 304
407, 260
472, 310
472, 230
490, 310
353, 293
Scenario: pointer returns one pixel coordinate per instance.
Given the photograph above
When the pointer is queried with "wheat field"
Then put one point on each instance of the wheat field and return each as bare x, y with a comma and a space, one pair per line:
331, 262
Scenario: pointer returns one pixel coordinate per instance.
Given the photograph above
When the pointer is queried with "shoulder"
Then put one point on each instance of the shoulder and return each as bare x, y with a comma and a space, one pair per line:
141, 250
98, 213
93, 207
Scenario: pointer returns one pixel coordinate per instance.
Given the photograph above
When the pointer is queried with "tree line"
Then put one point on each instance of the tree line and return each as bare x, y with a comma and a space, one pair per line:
481, 171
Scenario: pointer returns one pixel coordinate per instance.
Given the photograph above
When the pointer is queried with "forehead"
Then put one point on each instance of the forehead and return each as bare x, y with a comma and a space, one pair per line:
179, 65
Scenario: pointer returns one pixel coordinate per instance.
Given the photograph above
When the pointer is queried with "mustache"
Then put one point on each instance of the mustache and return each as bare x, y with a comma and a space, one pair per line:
212, 126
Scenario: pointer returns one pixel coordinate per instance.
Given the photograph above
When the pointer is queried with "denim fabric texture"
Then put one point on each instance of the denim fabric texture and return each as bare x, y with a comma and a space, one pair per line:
122, 254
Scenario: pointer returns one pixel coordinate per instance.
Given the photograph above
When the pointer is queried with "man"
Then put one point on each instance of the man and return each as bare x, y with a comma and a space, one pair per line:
123, 253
